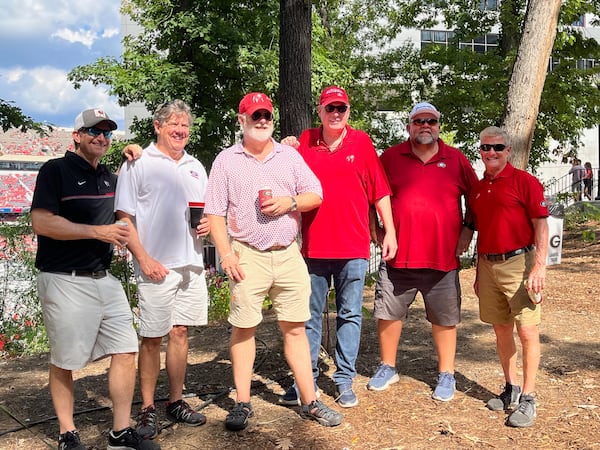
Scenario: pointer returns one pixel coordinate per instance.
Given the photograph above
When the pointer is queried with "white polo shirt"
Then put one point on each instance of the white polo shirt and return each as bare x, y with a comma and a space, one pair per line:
156, 189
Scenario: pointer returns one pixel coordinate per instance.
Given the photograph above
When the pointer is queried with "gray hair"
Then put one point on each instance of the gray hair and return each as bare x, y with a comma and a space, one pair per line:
495, 132
177, 107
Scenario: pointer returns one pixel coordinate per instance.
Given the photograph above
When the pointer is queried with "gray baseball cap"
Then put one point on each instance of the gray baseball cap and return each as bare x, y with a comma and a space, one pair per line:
92, 117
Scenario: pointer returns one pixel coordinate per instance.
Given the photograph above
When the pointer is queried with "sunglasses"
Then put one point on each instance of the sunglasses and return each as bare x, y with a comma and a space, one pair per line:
257, 115
489, 147
425, 121
340, 108
95, 132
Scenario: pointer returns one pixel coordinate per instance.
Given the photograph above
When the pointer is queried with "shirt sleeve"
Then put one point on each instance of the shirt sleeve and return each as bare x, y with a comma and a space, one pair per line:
47, 188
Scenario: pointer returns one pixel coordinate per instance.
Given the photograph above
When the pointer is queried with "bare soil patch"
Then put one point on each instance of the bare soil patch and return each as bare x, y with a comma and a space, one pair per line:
402, 417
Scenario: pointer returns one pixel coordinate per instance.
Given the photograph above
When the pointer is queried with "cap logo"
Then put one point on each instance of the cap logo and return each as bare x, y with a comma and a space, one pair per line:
100, 113
258, 98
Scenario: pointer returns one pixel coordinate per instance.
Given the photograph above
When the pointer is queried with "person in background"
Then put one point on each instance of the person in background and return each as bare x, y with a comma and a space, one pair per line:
256, 241
152, 197
588, 180
335, 237
577, 173
428, 180
86, 312
510, 215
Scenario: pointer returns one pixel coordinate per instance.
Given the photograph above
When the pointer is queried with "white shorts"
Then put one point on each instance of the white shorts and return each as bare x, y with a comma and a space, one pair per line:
181, 298
86, 319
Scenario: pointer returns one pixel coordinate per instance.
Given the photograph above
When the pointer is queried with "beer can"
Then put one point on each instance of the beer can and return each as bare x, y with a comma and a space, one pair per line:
264, 194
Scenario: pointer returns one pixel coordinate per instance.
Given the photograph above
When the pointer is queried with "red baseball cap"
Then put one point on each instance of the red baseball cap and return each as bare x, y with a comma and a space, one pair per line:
333, 94
255, 101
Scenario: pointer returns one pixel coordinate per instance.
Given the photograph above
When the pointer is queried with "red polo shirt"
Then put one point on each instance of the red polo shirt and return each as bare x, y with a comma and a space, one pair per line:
503, 208
352, 179
426, 205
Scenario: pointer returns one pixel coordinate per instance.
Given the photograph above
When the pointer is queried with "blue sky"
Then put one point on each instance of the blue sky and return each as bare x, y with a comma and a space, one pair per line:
41, 41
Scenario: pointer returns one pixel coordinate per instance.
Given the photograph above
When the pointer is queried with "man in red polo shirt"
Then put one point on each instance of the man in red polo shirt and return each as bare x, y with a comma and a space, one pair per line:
428, 179
510, 214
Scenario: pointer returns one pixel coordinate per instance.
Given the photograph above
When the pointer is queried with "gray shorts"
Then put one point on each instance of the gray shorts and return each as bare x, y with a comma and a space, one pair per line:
396, 290
86, 319
181, 298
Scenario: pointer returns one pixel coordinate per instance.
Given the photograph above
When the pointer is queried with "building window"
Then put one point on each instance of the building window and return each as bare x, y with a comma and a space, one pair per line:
488, 5
580, 22
480, 44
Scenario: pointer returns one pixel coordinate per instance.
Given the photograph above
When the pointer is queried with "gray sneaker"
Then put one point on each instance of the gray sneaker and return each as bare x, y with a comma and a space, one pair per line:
321, 413
146, 423
524, 415
507, 400
383, 378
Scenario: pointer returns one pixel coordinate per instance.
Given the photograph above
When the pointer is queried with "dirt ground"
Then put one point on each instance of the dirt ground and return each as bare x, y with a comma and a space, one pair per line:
402, 417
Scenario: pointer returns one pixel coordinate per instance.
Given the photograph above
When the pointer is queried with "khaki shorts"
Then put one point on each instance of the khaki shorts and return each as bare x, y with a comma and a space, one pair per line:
282, 274
86, 319
503, 295
181, 298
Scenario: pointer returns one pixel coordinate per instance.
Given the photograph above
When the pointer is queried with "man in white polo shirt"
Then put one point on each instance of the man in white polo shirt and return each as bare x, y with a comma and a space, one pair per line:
153, 195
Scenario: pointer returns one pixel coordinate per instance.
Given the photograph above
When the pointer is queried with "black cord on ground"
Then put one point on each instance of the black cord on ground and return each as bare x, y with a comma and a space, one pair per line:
214, 396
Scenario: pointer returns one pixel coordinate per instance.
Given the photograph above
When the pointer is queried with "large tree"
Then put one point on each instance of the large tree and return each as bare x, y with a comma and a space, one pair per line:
295, 97
211, 53
529, 75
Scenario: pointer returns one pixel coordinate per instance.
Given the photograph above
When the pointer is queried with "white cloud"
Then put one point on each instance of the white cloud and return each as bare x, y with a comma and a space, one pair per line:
110, 32
85, 37
45, 92
42, 17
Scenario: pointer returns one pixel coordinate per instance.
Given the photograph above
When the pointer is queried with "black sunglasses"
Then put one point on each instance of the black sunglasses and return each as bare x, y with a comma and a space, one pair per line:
95, 132
257, 115
425, 121
340, 108
495, 147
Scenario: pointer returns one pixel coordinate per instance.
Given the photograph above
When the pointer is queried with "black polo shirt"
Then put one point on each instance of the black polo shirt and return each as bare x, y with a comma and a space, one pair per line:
72, 188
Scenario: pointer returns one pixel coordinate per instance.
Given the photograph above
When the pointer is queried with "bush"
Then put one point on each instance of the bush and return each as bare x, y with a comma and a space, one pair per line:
21, 325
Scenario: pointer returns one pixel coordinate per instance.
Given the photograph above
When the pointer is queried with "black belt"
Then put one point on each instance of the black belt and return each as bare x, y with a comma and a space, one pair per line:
505, 256
85, 273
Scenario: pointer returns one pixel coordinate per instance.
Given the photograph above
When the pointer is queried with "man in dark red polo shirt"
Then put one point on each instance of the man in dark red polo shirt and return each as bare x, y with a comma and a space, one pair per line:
510, 214
428, 179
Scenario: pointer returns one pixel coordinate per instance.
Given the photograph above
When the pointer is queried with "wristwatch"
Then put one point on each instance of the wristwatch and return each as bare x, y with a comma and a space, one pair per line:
294, 206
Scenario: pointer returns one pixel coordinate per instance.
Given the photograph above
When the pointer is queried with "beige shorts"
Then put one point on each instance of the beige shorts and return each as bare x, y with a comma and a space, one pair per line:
86, 319
181, 298
281, 274
503, 295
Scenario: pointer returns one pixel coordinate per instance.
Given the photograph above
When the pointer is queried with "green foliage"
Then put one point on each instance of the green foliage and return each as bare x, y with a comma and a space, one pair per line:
211, 53
12, 116
580, 214
218, 296
21, 326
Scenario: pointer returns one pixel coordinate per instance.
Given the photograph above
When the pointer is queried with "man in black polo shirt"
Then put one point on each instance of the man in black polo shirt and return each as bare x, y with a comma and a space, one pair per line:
86, 312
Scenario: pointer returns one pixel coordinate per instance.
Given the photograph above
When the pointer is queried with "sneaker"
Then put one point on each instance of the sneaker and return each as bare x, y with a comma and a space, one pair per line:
129, 439
70, 440
321, 413
292, 395
384, 377
181, 412
237, 419
507, 400
346, 397
444, 391
525, 413
146, 425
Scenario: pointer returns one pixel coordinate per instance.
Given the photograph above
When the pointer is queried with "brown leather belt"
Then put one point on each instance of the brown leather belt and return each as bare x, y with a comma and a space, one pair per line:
85, 273
276, 247
504, 256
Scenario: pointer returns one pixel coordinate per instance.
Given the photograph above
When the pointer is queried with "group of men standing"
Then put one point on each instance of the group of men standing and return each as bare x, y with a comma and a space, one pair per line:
340, 194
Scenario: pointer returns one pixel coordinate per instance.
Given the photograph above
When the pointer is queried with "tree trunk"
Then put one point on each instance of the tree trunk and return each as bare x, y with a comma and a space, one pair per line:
295, 98
528, 76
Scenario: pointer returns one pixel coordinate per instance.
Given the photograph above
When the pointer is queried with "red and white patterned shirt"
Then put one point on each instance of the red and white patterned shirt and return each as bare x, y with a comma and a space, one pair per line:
233, 184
